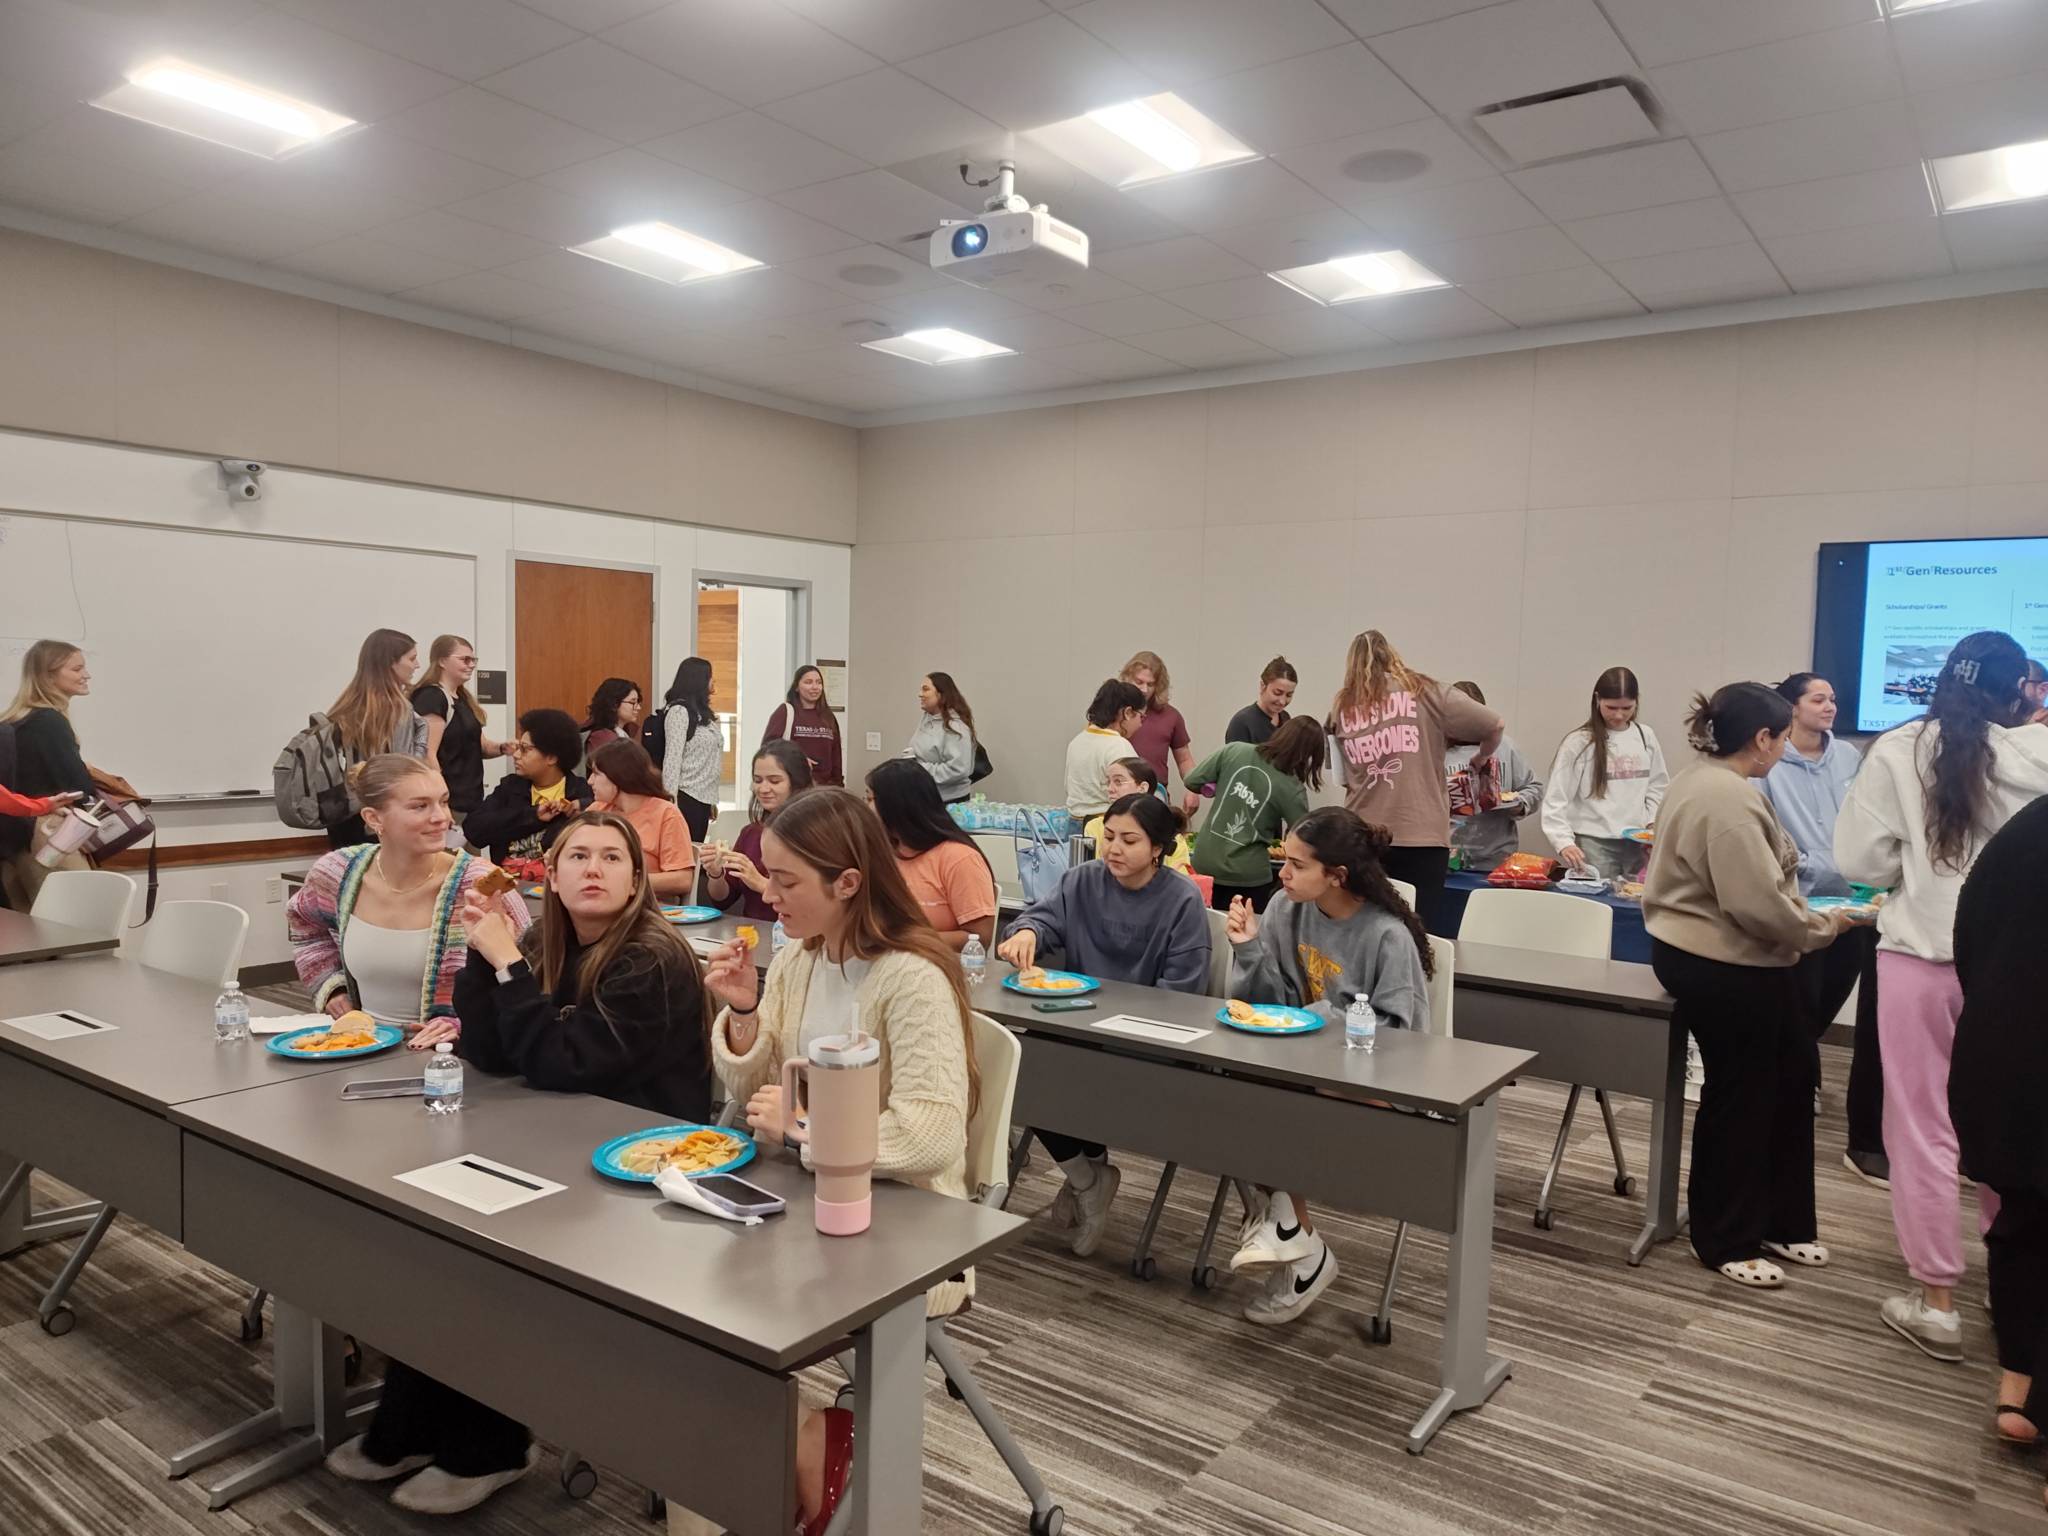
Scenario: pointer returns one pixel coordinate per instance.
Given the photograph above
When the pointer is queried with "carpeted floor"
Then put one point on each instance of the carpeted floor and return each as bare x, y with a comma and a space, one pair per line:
1655, 1400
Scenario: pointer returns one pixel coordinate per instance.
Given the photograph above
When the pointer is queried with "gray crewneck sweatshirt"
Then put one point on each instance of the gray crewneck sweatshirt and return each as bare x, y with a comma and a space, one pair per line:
1303, 959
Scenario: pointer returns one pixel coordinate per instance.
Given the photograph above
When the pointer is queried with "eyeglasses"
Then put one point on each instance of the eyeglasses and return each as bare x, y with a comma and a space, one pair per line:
521, 748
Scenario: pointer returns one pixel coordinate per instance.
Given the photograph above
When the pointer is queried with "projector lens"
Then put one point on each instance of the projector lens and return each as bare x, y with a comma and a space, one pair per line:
970, 239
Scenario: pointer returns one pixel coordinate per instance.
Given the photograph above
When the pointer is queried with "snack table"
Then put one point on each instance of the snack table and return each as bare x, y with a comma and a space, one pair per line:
1631, 942
24, 938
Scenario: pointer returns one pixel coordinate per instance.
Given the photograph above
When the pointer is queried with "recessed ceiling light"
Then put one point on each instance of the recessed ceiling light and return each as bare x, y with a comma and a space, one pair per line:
1905, 7
1989, 177
187, 99
1368, 275
940, 345
1132, 142
662, 251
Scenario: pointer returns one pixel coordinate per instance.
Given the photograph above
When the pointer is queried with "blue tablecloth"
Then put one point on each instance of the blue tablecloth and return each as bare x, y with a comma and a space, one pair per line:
1631, 942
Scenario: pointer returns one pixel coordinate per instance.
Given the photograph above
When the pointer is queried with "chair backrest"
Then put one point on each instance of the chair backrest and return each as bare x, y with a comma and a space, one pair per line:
1219, 954
997, 1056
200, 939
1407, 891
1555, 921
96, 900
1001, 851
1443, 960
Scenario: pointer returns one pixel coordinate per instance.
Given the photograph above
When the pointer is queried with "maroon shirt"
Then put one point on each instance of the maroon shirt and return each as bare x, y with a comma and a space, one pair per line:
1161, 733
815, 734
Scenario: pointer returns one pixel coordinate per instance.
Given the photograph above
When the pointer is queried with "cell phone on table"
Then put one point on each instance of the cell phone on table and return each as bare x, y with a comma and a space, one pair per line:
385, 1088
737, 1196
1064, 1005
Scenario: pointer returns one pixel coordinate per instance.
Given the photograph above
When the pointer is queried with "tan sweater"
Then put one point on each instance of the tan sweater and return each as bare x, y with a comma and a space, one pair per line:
1724, 881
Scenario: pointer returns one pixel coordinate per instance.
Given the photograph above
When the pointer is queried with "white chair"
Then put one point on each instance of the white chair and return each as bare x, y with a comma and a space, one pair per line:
1559, 924
1001, 852
96, 900
1407, 891
199, 939
1443, 965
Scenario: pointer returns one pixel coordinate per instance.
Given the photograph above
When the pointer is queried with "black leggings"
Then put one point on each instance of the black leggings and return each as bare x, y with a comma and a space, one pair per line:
1426, 869
2017, 1248
419, 1416
696, 815
1064, 1149
1825, 979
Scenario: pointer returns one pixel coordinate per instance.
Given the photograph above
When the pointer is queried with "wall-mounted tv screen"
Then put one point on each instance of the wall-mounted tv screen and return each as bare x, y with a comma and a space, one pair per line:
1886, 616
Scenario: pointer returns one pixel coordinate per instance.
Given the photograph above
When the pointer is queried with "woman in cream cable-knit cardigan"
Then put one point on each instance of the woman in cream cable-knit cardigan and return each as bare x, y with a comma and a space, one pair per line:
867, 953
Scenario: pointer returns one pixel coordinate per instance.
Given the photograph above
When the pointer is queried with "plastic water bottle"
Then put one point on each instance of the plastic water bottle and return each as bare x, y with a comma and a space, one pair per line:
230, 1015
1361, 1024
777, 939
444, 1081
974, 961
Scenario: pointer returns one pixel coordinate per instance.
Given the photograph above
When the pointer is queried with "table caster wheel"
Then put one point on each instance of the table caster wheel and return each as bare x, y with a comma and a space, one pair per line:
1381, 1331
59, 1322
579, 1479
1051, 1523
1545, 1220
252, 1330
1624, 1184
1205, 1278
657, 1508
1146, 1268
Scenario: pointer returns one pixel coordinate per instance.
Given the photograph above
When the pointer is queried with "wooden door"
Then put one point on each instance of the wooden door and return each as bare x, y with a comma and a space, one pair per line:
574, 626
718, 642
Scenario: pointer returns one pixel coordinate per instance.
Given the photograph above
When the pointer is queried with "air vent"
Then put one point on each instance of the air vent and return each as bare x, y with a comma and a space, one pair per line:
870, 275
1378, 167
1604, 114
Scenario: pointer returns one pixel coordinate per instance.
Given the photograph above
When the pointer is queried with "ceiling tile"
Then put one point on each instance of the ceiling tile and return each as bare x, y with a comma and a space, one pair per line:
957, 305
1369, 18
462, 241
464, 38
1413, 157
1110, 218
1237, 297
1681, 279
1555, 298
1642, 177
313, 64
1183, 41
136, 149
594, 15
884, 117
1230, 195
902, 29
1868, 253
1505, 52
1666, 31
874, 205
630, 185
1332, 93
1487, 206
755, 152
1869, 197
608, 91
1068, 290
750, 50
1127, 317
307, 188
1821, 72
536, 211
1812, 148
1162, 264
1296, 242
779, 292
1656, 231
375, 266
1961, 119
26, 105
71, 187
1205, 346
1032, 75
1437, 315
1309, 331
871, 272
584, 281
378, 157
1541, 248
769, 232
1107, 360
502, 134
1005, 376
487, 295
1036, 334
1964, 44
231, 226
2011, 236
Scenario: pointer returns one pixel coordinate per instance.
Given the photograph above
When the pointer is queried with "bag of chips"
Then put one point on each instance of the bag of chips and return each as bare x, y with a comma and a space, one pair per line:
1526, 871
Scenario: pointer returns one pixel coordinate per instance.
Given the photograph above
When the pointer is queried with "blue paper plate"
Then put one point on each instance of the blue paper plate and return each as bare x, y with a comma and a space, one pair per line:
535, 891
1088, 984
1639, 835
1855, 904
683, 916
1304, 1022
388, 1035
606, 1158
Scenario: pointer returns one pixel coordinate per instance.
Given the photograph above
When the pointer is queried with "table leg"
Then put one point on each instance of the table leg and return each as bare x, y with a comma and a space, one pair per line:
1663, 1220
1470, 1373
308, 1393
19, 1226
887, 1491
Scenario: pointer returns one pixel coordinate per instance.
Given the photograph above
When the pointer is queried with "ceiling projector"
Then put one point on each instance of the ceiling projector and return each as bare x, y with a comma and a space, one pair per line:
1011, 238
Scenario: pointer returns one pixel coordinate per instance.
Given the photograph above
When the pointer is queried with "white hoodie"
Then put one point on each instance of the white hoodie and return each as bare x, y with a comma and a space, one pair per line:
1881, 835
1636, 780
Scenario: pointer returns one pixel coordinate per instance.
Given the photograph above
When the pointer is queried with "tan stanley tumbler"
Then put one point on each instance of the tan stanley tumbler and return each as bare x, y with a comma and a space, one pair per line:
844, 1082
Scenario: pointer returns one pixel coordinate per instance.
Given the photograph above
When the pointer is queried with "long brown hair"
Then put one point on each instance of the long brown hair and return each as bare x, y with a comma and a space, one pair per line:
631, 770
1373, 672
1298, 750
952, 703
1979, 687
38, 665
638, 927
1341, 837
443, 647
795, 700
1162, 685
368, 713
830, 830
1614, 683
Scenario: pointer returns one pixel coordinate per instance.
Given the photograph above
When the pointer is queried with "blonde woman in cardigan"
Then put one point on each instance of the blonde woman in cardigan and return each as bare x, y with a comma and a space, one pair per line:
864, 952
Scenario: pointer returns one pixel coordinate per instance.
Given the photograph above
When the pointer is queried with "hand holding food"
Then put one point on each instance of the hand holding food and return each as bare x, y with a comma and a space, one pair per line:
339, 1005
1020, 948
732, 979
748, 935
490, 935
1575, 856
494, 882
1241, 923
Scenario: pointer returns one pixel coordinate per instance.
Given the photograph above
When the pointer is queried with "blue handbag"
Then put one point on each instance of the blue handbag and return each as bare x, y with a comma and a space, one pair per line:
1042, 854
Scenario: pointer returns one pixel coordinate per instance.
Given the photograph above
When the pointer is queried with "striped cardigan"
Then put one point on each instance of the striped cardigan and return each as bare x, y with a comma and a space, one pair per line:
318, 915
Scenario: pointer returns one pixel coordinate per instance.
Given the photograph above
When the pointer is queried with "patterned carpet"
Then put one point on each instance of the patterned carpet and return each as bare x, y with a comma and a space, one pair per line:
1658, 1400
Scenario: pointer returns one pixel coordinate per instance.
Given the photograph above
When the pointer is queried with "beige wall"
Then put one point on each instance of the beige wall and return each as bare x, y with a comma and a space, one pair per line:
1524, 519
106, 347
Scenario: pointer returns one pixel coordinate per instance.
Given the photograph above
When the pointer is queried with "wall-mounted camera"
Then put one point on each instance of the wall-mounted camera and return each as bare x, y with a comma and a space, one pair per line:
242, 479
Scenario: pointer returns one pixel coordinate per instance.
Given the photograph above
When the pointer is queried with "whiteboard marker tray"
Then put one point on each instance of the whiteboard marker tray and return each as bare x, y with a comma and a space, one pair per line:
479, 1183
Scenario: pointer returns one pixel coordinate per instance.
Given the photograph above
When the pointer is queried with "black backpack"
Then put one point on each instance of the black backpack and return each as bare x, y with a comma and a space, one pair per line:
654, 736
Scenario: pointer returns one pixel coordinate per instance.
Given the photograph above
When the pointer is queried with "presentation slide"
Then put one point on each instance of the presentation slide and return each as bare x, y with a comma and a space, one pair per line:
1921, 598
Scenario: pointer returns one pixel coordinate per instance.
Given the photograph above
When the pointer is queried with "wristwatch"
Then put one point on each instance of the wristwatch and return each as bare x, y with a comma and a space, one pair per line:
517, 968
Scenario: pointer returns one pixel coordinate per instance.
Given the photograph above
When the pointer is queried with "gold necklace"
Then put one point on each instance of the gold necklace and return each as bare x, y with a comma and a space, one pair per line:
377, 869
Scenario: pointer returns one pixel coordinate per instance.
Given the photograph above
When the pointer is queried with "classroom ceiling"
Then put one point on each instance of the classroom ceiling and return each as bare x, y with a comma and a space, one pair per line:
1743, 149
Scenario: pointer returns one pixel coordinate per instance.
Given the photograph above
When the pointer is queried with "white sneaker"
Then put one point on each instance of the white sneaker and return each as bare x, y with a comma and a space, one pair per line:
1091, 1209
1295, 1287
349, 1460
1061, 1213
1939, 1335
1266, 1243
437, 1491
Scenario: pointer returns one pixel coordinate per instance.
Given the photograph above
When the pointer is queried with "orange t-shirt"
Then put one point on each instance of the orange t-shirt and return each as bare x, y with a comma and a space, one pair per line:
953, 885
664, 835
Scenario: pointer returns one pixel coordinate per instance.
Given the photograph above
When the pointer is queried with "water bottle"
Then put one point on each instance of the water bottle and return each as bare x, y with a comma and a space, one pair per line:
1361, 1024
777, 939
444, 1081
230, 1015
974, 961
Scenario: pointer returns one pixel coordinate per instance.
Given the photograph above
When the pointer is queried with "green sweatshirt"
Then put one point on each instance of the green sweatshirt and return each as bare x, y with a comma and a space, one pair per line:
1255, 802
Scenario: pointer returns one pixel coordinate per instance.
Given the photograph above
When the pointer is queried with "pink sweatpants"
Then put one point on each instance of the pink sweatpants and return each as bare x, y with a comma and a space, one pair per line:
1918, 1002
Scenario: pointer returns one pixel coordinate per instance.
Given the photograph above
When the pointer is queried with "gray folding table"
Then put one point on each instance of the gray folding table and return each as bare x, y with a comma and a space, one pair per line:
24, 938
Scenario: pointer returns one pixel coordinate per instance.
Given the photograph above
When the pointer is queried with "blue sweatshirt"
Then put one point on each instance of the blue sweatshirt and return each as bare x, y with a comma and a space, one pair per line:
1808, 797
1157, 936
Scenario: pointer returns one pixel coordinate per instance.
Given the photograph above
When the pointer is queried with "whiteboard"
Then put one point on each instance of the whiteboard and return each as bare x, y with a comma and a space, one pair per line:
208, 650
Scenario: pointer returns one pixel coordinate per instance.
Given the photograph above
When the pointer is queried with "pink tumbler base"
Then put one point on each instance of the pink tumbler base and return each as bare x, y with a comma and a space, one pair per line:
848, 1218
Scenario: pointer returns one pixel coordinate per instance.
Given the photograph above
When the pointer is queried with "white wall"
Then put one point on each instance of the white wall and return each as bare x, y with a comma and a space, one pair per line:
81, 479
765, 662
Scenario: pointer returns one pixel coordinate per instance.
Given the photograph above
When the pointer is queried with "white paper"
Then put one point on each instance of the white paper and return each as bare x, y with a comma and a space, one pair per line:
480, 1183
1148, 1029
280, 1023
65, 1024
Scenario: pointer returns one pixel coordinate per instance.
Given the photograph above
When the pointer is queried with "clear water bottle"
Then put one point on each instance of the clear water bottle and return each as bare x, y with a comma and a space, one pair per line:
1361, 1024
444, 1081
777, 939
230, 1015
974, 961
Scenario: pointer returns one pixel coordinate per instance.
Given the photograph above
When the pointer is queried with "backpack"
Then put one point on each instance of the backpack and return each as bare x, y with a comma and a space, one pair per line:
654, 736
309, 780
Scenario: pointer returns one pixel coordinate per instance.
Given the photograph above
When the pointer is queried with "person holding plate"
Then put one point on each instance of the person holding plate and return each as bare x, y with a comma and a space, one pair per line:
1337, 932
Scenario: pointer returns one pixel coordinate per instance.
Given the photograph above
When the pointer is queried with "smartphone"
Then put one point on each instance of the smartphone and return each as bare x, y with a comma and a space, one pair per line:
738, 1196
385, 1088
1064, 1005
